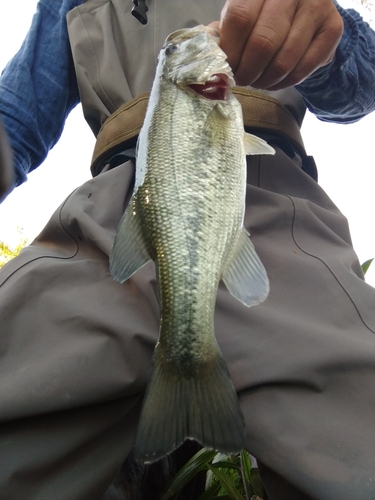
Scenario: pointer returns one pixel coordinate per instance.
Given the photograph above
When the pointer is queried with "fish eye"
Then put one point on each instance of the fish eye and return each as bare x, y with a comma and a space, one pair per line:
170, 49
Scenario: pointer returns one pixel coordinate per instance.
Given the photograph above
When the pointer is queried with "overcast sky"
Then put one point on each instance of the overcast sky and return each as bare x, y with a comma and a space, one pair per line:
344, 155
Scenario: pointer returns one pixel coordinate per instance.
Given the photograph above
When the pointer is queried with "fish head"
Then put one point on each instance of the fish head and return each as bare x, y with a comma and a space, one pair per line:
192, 59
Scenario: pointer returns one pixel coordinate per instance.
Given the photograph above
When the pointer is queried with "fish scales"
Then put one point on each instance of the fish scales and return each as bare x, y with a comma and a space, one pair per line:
189, 217
186, 214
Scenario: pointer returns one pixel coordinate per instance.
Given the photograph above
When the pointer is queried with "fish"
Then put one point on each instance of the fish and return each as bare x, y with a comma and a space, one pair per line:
186, 214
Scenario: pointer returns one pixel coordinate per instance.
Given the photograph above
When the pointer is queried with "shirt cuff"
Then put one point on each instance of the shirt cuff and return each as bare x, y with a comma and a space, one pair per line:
343, 91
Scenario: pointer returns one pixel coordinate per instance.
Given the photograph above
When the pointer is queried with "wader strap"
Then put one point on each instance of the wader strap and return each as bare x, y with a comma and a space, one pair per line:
261, 113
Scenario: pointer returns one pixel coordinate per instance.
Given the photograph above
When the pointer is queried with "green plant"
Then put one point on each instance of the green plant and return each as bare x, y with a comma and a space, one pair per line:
227, 477
366, 265
7, 252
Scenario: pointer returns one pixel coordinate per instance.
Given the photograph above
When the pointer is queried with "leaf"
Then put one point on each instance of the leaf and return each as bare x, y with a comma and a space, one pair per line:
226, 483
220, 497
211, 493
366, 265
225, 464
246, 464
196, 464
7, 253
256, 483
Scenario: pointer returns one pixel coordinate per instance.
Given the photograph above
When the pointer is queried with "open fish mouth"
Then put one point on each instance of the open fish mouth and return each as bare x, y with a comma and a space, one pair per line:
215, 88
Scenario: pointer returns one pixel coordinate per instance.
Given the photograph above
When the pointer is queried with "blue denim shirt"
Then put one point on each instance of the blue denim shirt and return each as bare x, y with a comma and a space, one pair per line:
38, 87
344, 90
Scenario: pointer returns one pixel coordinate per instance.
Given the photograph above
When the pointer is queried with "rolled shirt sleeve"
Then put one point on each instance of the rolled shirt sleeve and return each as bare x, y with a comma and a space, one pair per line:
38, 87
344, 90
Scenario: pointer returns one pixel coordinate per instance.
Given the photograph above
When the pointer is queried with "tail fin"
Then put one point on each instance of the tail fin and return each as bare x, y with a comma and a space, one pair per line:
203, 407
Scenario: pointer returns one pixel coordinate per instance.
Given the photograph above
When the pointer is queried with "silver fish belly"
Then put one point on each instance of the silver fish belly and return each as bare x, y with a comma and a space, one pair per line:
186, 214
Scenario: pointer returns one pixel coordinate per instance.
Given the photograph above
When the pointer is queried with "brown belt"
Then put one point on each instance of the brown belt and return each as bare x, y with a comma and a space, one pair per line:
261, 113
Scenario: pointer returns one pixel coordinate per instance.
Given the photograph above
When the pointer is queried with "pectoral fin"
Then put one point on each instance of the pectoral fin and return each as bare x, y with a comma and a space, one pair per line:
244, 274
129, 252
256, 146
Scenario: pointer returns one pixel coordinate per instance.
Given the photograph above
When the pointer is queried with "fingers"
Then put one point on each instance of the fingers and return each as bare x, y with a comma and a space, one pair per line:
214, 24
252, 43
274, 44
310, 44
238, 19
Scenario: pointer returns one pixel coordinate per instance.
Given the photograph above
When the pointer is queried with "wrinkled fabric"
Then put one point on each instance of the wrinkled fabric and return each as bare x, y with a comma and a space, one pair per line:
348, 82
76, 347
75, 358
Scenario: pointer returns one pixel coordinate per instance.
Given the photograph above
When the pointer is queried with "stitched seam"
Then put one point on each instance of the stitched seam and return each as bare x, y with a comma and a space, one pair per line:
48, 256
322, 261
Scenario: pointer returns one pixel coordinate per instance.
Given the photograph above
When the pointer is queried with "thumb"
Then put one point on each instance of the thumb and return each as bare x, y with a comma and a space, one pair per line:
214, 24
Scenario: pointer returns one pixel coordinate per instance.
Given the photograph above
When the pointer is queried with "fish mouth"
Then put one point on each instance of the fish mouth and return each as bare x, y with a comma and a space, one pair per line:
215, 88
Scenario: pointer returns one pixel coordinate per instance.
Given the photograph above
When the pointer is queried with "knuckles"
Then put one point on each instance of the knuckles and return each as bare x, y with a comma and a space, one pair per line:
335, 29
265, 42
240, 15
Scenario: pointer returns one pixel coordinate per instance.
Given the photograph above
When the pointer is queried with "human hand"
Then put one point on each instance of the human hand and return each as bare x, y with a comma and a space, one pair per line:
274, 44
6, 164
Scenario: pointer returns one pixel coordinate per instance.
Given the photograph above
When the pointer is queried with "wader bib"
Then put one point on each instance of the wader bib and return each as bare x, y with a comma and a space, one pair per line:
76, 346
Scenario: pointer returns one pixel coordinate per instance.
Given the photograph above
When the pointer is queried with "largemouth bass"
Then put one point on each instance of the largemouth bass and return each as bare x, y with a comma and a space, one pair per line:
186, 214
